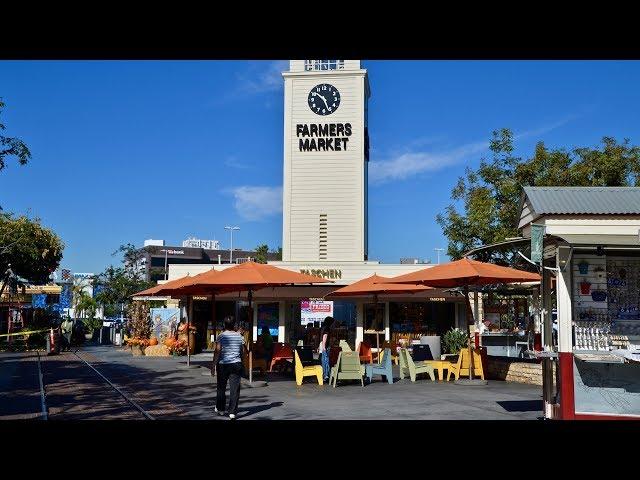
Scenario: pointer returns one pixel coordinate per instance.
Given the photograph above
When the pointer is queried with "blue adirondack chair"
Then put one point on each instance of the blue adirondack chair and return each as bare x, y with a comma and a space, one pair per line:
384, 368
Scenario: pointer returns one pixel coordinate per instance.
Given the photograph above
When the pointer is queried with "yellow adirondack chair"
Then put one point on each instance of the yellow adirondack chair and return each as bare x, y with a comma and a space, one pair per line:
461, 369
309, 371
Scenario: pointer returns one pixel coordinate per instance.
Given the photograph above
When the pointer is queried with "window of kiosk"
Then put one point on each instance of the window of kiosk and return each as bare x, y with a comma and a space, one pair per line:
268, 319
344, 327
412, 320
374, 323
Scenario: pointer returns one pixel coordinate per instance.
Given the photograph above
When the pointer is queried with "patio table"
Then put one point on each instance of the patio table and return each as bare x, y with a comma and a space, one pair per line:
439, 365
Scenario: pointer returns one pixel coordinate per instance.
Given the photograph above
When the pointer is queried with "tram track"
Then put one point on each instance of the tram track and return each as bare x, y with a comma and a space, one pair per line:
78, 390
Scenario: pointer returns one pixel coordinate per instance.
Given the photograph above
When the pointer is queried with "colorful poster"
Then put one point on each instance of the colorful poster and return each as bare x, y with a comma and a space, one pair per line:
164, 321
313, 310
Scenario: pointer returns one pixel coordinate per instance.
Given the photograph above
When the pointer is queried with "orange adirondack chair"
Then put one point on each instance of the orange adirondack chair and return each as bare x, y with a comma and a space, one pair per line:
366, 355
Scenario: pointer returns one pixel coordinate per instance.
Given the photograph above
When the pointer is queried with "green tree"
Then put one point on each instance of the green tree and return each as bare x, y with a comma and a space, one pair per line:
117, 284
12, 147
278, 252
490, 195
32, 251
261, 253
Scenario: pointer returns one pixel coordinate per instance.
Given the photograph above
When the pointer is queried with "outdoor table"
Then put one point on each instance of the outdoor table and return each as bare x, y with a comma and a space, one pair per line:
439, 365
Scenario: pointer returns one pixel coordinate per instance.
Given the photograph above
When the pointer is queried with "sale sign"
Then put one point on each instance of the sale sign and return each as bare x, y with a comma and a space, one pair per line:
313, 310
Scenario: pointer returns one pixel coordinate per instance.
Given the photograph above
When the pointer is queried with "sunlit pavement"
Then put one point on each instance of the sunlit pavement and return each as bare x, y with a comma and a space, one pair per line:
167, 391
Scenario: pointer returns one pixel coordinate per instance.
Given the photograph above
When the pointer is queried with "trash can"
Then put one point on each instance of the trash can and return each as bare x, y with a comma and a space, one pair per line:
105, 333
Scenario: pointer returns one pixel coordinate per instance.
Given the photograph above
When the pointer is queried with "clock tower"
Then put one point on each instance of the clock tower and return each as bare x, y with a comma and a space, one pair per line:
326, 152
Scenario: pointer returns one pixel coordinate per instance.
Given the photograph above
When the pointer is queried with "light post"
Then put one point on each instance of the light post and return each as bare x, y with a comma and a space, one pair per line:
439, 250
165, 264
231, 229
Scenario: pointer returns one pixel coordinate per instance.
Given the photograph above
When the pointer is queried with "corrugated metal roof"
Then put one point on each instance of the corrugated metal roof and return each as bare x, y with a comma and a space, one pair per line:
584, 200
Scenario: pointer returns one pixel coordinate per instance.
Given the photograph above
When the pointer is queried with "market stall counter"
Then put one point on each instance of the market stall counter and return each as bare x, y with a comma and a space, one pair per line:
505, 344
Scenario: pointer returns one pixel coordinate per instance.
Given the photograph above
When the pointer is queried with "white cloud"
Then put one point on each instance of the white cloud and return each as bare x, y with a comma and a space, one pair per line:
255, 203
410, 163
267, 78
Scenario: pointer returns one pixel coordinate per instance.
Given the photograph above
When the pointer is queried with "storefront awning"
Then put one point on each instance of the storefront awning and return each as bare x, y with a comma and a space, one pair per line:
601, 240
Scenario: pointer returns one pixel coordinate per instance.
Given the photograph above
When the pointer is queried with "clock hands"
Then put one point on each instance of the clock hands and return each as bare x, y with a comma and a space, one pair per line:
323, 99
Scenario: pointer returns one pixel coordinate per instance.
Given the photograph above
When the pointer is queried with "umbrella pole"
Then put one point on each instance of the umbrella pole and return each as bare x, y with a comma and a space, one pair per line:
213, 318
375, 309
468, 308
189, 308
250, 298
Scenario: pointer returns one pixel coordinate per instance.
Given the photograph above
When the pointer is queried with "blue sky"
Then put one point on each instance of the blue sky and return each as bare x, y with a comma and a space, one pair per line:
128, 150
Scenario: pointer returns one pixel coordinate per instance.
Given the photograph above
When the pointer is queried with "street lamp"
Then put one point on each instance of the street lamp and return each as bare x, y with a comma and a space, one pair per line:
439, 250
165, 263
231, 229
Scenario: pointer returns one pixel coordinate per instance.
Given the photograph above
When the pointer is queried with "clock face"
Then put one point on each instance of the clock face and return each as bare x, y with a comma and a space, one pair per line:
324, 99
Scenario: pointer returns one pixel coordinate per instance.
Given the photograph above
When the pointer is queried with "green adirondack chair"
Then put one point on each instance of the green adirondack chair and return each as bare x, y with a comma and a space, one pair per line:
410, 368
345, 346
347, 368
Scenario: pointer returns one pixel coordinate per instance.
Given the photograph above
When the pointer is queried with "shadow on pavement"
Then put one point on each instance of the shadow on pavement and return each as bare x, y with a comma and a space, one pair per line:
257, 409
522, 405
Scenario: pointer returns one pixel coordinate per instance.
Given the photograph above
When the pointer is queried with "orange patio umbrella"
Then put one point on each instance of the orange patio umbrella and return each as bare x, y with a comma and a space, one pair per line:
248, 276
464, 273
165, 288
373, 286
170, 288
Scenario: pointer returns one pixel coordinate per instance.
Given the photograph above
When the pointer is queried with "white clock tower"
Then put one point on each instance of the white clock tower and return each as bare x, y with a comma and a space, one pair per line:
326, 151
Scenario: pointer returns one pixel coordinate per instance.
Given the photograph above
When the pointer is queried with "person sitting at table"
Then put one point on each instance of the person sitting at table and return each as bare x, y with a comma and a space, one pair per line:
267, 344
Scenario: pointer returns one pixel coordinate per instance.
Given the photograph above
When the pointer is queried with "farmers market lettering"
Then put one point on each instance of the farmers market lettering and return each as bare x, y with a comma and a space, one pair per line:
328, 137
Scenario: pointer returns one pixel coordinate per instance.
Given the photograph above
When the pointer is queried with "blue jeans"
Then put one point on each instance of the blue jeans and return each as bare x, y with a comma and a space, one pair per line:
325, 364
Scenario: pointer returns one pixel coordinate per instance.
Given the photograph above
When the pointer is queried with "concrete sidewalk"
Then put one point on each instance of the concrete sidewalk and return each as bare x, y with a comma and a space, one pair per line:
167, 391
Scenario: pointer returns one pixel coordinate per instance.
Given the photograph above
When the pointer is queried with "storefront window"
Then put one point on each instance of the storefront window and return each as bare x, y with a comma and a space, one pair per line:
345, 326
410, 321
268, 318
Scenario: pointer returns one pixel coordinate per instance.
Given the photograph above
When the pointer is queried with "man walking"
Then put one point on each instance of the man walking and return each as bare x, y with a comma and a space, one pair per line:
228, 362
67, 332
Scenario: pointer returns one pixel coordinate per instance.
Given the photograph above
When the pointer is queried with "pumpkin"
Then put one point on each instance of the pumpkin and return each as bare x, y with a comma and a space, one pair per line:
153, 341
169, 342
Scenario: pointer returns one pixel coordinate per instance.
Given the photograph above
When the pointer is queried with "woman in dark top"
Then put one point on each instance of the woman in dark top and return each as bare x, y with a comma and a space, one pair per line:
324, 346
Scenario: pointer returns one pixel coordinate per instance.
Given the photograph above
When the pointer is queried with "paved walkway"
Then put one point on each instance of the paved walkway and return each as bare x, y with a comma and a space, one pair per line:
168, 391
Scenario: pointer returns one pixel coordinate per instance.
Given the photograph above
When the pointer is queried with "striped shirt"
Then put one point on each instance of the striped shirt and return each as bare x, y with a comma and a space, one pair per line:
230, 346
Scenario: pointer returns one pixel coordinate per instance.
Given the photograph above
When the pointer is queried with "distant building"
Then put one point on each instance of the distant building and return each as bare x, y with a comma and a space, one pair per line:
157, 259
193, 242
413, 261
153, 243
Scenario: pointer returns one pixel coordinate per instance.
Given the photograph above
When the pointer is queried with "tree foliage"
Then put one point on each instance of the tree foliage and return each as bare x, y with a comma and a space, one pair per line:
490, 195
261, 253
33, 251
118, 284
140, 323
12, 147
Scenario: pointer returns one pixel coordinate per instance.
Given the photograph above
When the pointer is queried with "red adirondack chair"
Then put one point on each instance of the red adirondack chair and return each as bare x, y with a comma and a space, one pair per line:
281, 353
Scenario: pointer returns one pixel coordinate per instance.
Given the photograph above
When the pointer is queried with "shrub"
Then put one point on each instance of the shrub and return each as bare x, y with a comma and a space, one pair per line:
454, 340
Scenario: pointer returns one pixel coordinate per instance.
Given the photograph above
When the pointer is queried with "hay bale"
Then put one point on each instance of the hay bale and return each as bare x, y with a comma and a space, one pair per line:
157, 351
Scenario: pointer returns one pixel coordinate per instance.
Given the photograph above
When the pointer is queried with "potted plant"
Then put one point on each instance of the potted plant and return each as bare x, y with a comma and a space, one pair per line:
454, 340
91, 326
